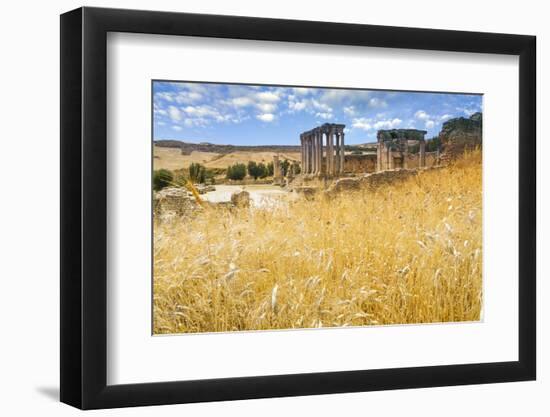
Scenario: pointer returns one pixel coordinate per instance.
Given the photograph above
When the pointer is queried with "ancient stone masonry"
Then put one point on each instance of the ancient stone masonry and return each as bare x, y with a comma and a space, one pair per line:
393, 148
460, 134
322, 150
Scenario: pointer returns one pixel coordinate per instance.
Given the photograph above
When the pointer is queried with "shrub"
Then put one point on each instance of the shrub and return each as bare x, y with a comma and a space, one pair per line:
236, 172
257, 170
253, 170
284, 167
262, 168
162, 178
197, 173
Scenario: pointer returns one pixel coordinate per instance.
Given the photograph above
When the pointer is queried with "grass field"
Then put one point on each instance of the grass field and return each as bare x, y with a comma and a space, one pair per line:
406, 253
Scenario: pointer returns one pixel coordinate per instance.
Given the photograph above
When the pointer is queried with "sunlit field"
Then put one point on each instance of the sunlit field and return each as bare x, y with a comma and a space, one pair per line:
410, 252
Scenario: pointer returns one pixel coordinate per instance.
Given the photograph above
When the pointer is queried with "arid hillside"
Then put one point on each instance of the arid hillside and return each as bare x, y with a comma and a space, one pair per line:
173, 159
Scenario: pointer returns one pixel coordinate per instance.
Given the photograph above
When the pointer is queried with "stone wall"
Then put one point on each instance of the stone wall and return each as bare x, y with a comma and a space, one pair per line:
173, 200
373, 180
460, 134
413, 160
358, 164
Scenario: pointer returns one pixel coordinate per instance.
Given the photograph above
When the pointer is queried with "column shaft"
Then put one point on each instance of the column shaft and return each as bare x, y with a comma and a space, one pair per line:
302, 164
308, 153
331, 152
405, 153
314, 142
422, 154
336, 152
342, 153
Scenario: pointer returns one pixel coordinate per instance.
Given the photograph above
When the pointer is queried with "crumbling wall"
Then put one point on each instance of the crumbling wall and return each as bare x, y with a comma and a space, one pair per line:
413, 160
360, 163
460, 134
173, 200
372, 180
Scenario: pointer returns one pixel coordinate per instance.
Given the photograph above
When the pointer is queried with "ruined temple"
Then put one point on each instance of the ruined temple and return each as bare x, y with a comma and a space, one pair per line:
323, 150
393, 149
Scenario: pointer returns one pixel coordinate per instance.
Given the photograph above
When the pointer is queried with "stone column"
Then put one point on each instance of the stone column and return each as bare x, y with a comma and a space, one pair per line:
336, 152
379, 155
310, 170
405, 153
422, 161
389, 156
315, 150
330, 153
302, 156
342, 152
306, 149
309, 153
319, 139
276, 166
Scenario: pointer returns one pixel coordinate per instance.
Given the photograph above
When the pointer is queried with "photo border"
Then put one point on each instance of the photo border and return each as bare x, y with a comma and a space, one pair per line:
83, 311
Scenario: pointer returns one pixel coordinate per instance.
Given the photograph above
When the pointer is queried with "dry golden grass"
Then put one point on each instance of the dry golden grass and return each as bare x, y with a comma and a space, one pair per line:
405, 253
172, 159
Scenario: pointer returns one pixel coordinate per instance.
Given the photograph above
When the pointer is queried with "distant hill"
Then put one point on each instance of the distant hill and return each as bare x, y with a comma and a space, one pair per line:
188, 147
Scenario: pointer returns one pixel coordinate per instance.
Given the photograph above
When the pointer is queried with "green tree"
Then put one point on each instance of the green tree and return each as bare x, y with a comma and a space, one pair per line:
270, 169
253, 170
296, 168
236, 172
284, 167
162, 178
197, 173
262, 168
433, 144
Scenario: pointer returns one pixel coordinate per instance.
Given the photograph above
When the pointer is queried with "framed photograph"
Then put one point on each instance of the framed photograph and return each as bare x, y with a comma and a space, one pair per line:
257, 208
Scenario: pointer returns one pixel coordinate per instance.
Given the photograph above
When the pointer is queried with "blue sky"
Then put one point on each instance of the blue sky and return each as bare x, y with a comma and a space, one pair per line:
271, 115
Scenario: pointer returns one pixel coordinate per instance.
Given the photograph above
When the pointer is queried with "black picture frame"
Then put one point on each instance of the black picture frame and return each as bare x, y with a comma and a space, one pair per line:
84, 207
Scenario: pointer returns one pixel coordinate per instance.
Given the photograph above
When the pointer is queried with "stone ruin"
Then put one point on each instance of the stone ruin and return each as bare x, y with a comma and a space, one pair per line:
393, 148
461, 134
241, 199
173, 201
322, 150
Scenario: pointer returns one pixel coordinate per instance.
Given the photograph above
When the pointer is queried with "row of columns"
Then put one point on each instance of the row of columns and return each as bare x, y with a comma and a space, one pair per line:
326, 158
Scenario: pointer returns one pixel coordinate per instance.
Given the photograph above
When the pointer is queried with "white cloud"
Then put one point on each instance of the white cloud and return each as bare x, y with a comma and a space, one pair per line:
180, 97
242, 101
445, 117
297, 106
388, 124
429, 123
174, 113
267, 107
266, 117
350, 110
350, 96
326, 115
422, 115
201, 111
377, 103
362, 123
302, 91
268, 96
176, 127
164, 96
321, 106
